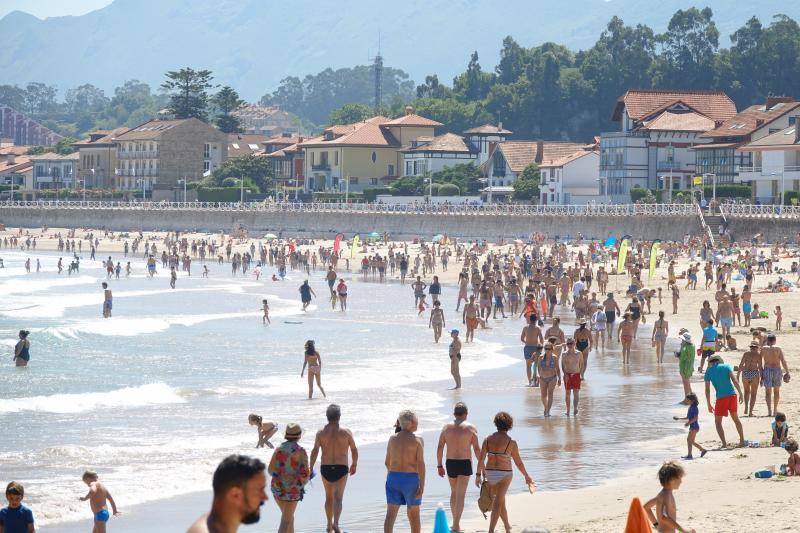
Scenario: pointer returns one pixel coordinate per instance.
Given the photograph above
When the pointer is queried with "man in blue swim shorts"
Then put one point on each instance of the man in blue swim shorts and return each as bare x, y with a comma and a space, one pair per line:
405, 481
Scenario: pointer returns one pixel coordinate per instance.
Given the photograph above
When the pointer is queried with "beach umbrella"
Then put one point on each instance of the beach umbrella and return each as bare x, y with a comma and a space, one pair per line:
611, 241
518, 241
270, 236
374, 234
437, 238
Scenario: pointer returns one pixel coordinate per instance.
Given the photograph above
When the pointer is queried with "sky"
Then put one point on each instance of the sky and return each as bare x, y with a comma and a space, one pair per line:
51, 8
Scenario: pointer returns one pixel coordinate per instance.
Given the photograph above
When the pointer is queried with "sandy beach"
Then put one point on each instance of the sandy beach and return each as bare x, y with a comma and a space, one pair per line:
719, 492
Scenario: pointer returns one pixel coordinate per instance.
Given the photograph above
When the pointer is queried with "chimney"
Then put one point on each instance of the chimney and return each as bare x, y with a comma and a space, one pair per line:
9, 159
409, 110
539, 152
500, 125
759, 122
299, 139
772, 100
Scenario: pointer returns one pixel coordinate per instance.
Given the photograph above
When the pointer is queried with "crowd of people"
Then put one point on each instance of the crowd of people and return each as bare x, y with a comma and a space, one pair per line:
532, 282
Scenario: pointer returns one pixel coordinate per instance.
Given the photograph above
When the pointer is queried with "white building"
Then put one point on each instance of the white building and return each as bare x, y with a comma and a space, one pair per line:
485, 138
658, 132
55, 171
557, 161
433, 154
572, 179
776, 165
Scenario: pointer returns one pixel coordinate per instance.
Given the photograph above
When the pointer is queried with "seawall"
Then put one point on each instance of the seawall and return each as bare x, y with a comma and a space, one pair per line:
324, 224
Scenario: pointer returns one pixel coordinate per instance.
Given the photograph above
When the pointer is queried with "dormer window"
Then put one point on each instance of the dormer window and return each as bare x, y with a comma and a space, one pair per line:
328, 135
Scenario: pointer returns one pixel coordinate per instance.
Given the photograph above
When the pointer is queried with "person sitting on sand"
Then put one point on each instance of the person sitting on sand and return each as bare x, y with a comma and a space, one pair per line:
239, 492
793, 466
265, 430
665, 519
780, 429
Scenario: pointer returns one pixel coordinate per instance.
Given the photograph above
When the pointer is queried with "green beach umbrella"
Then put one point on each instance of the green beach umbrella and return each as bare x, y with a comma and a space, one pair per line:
270, 236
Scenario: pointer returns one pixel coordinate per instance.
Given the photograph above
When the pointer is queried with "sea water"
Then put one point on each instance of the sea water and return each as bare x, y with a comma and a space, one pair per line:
155, 396
162, 390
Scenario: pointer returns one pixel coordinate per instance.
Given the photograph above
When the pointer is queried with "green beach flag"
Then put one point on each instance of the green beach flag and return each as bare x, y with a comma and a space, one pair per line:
653, 254
355, 246
623, 252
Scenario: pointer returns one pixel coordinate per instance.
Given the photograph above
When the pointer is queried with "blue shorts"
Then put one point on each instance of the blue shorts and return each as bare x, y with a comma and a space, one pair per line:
107, 304
401, 488
530, 351
726, 322
102, 516
498, 301
747, 307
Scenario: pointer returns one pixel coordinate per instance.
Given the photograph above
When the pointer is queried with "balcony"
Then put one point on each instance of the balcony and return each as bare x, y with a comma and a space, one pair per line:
322, 167
669, 165
769, 173
143, 173
140, 154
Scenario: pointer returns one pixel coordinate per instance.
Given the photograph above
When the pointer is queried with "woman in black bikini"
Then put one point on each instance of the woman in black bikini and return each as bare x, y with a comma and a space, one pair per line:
635, 309
583, 342
494, 466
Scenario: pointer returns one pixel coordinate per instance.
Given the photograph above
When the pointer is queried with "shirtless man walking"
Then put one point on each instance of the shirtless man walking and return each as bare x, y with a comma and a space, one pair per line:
531, 336
772, 376
461, 439
612, 312
405, 479
470, 318
334, 441
107, 301
572, 366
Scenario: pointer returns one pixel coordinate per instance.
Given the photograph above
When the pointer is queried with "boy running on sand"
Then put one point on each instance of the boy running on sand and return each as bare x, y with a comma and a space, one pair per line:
97, 496
691, 418
665, 519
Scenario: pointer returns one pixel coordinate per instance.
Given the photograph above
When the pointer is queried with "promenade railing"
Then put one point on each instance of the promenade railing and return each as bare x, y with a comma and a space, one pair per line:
439, 209
732, 211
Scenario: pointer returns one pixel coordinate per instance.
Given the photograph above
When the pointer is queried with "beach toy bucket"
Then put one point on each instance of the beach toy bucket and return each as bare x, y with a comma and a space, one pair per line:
764, 474
440, 524
794, 323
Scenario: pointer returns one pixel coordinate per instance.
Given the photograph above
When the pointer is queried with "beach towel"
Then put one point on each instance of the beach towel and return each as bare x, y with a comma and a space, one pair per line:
637, 519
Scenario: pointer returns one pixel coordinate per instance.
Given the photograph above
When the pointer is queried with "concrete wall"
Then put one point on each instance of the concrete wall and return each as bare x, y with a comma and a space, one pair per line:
329, 224
773, 229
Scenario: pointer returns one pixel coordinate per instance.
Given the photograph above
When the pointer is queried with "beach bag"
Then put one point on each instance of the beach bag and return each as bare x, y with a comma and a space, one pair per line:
485, 499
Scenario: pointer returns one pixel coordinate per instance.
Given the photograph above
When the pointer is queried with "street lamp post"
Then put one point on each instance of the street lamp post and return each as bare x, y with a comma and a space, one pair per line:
241, 193
183, 182
783, 183
713, 184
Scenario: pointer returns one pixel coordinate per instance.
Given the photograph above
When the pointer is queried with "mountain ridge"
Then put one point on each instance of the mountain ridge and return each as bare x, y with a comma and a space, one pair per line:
252, 45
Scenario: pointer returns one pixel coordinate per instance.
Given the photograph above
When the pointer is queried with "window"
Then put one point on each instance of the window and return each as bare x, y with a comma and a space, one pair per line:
313, 157
391, 170
336, 158
373, 181
206, 166
374, 157
498, 165
323, 159
792, 121
353, 181
206, 151
409, 168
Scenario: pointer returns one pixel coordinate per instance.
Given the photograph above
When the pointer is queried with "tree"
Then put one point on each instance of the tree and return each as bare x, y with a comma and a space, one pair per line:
350, 113
36, 150
465, 177
13, 96
40, 98
227, 101
85, 98
257, 169
513, 60
526, 186
188, 96
65, 146
474, 84
688, 49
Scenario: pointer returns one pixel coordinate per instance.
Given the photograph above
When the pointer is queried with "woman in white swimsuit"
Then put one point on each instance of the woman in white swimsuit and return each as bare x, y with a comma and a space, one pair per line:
314, 362
497, 453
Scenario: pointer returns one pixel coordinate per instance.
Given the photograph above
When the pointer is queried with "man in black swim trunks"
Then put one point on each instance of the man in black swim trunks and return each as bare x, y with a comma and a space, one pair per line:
461, 439
334, 441
612, 312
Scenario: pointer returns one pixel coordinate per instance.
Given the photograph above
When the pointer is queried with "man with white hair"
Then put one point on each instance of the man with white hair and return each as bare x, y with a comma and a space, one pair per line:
405, 481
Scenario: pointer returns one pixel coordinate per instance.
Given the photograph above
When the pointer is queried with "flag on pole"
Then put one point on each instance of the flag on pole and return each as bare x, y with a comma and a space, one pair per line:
653, 254
337, 242
623, 253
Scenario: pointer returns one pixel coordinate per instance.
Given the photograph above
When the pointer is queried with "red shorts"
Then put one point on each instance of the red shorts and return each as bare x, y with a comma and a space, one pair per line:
723, 406
572, 381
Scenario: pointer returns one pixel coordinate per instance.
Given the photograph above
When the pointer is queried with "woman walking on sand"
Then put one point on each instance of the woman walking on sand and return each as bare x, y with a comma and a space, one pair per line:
289, 471
313, 360
22, 349
499, 450
659, 336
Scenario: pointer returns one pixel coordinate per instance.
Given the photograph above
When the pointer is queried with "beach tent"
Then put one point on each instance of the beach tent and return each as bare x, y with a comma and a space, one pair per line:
270, 236
437, 238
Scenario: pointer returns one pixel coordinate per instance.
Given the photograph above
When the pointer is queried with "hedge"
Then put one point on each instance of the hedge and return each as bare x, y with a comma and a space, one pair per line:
448, 189
218, 194
728, 191
371, 194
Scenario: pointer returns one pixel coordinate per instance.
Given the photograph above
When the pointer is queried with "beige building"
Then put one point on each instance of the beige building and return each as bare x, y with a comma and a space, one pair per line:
365, 154
165, 151
98, 158
17, 171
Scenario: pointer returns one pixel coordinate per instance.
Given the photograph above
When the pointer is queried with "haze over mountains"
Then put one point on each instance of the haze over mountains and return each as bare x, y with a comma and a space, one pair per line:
253, 44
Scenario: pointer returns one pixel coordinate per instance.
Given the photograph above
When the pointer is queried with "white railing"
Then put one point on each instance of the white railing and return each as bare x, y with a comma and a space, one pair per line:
759, 211
409, 209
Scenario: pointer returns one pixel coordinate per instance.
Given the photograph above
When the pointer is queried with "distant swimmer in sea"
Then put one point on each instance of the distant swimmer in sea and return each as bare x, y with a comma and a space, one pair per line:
265, 430
335, 442
108, 301
313, 361
22, 349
